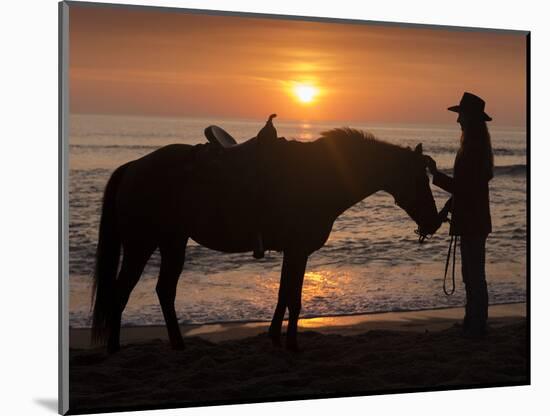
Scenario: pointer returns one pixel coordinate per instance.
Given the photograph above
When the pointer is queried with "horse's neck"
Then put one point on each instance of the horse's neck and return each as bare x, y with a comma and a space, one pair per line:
350, 186
328, 179
356, 194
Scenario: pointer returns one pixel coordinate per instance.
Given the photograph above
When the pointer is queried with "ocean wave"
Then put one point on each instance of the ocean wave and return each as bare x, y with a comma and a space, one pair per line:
500, 151
131, 134
430, 149
497, 151
519, 169
502, 170
115, 146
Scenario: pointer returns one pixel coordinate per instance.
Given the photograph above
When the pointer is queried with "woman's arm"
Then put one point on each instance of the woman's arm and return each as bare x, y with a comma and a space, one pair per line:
445, 182
441, 180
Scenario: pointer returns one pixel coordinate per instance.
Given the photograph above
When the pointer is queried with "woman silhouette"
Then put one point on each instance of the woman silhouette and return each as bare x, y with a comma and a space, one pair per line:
471, 217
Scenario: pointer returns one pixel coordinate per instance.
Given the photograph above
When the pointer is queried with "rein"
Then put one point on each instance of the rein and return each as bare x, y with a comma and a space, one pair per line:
452, 244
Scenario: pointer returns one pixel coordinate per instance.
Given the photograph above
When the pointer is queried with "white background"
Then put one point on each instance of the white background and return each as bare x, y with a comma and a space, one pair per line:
28, 208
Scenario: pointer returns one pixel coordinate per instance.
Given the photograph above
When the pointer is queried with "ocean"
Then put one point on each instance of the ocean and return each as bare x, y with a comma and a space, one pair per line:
371, 262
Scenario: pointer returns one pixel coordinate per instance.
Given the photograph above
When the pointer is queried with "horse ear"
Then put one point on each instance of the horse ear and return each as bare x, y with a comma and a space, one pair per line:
418, 148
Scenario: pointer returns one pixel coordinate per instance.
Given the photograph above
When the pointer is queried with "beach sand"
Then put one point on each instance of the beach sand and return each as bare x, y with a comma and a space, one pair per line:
346, 355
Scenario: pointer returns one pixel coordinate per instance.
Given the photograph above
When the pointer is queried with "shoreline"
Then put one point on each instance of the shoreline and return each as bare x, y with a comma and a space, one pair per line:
348, 325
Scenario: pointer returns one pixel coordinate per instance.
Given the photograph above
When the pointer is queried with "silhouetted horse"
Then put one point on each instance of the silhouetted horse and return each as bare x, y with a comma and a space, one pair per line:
180, 191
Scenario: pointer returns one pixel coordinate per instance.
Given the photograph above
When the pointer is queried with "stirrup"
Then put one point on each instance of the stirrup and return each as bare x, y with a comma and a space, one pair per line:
259, 250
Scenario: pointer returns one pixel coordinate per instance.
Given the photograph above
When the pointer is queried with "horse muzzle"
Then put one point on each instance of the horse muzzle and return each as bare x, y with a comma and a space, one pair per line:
425, 233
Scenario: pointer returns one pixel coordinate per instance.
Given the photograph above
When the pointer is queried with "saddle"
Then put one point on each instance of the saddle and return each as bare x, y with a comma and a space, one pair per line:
222, 139
219, 137
226, 144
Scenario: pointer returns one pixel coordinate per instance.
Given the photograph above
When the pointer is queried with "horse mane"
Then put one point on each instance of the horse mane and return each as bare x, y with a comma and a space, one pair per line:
341, 152
348, 132
346, 136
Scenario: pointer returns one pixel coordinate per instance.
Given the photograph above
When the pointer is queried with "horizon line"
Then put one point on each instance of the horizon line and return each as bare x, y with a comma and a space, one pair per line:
285, 120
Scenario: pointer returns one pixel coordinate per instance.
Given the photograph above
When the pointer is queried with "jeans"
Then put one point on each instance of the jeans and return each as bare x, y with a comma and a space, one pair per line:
472, 252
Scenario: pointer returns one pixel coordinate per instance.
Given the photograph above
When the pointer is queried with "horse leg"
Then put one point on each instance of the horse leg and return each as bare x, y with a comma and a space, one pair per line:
296, 269
133, 262
290, 294
279, 314
173, 258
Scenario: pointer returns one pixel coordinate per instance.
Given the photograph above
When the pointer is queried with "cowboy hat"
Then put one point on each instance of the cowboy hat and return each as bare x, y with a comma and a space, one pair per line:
471, 104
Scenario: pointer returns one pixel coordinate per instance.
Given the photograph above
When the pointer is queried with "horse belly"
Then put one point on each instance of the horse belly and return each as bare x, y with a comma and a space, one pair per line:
224, 229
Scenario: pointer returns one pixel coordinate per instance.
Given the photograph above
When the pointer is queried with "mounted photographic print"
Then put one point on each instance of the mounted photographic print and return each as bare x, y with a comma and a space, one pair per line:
262, 208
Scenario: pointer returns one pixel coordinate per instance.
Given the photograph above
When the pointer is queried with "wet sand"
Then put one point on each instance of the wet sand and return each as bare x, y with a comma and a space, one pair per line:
432, 320
346, 355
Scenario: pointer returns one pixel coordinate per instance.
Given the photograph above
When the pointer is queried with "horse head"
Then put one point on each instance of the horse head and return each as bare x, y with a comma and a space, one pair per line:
411, 191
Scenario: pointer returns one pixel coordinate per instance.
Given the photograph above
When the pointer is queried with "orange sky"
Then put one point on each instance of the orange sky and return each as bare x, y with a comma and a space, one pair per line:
177, 64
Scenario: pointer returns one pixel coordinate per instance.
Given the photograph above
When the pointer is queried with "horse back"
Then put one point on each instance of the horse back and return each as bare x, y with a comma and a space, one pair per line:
205, 192
150, 189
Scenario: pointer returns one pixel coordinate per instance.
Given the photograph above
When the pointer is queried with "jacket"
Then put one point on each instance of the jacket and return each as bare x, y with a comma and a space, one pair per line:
470, 189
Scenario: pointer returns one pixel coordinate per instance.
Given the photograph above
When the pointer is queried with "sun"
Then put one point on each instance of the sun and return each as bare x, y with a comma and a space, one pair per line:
305, 93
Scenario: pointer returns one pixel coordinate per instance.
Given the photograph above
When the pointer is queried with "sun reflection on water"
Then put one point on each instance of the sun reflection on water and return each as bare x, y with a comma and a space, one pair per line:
322, 284
305, 137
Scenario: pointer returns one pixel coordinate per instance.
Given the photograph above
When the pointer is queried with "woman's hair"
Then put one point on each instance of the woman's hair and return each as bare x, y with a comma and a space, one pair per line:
475, 143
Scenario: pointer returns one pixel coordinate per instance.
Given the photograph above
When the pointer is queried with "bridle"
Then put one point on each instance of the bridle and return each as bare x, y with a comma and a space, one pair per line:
422, 236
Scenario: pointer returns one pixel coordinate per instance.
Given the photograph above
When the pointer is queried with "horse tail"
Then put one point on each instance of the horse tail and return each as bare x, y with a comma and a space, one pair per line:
106, 260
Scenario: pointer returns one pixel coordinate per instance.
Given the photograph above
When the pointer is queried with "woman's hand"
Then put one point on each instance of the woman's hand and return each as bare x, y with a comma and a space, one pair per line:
430, 164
